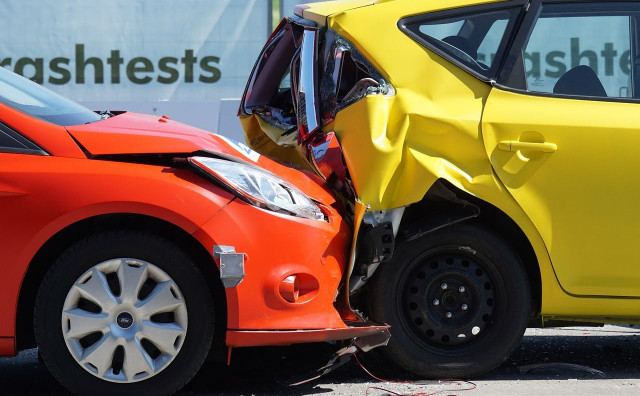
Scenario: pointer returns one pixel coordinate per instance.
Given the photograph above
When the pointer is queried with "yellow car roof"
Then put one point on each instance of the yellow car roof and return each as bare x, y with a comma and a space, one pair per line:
319, 12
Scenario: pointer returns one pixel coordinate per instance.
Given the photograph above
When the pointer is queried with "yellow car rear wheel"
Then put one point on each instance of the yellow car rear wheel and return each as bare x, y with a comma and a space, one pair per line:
457, 300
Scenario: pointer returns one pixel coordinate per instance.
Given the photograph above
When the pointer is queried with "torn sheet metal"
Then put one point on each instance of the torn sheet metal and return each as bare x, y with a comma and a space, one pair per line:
376, 242
368, 343
341, 357
257, 138
339, 54
326, 155
344, 355
343, 304
267, 112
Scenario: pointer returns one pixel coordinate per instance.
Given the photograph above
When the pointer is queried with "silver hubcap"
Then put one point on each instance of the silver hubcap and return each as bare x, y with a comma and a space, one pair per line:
124, 320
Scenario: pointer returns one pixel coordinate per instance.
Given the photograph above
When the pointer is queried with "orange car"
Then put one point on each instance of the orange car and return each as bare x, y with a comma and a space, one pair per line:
131, 244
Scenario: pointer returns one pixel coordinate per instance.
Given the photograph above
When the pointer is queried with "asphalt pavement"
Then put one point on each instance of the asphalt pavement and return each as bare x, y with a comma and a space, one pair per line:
564, 361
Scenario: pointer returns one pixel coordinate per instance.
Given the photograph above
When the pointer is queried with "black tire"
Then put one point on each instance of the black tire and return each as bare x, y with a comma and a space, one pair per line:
461, 264
85, 255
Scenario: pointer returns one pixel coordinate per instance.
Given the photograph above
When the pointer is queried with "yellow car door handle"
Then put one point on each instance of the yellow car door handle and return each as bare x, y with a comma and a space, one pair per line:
516, 145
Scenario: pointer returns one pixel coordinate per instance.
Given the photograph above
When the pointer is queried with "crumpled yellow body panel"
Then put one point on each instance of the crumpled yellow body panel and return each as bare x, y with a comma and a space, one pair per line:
258, 139
397, 146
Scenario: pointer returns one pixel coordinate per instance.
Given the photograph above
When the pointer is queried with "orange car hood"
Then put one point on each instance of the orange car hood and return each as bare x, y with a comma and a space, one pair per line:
132, 133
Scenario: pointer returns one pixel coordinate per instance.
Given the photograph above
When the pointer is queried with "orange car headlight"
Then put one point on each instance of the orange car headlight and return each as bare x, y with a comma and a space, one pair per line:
260, 187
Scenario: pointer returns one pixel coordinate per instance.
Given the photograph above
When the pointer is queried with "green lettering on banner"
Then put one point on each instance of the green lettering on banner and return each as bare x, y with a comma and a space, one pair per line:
534, 57
188, 62
81, 64
56, 67
163, 66
552, 59
138, 70
608, 53
206, 64
133, 68
625, 62
115, 61
577, 56
38, 65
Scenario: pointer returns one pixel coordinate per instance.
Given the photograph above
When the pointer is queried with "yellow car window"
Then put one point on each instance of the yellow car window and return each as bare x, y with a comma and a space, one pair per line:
579, 50
472, 40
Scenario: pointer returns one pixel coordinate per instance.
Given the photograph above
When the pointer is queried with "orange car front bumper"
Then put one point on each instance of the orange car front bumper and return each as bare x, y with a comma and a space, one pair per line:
280, 250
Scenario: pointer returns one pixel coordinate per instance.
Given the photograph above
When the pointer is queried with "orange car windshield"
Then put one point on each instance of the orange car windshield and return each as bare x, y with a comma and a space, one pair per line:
30, 98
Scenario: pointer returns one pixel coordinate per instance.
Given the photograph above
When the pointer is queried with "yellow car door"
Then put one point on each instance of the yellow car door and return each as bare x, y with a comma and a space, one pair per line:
562, 130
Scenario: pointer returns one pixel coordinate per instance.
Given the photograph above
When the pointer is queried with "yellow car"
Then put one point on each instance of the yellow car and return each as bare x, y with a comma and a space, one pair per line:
485, 153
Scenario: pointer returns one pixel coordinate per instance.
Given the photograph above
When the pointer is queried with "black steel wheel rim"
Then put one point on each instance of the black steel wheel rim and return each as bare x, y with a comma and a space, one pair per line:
447, 299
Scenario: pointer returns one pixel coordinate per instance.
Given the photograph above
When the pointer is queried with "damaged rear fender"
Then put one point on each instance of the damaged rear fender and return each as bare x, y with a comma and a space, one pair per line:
406, 145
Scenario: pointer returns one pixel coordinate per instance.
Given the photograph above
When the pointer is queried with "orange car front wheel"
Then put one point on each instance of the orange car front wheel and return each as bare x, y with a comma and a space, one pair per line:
124, 313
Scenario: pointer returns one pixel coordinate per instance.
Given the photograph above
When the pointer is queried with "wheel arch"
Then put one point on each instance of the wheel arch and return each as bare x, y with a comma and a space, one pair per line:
449, 205
69, 235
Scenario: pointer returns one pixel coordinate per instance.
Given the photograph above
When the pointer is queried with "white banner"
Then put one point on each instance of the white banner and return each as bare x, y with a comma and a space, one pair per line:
135, 50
